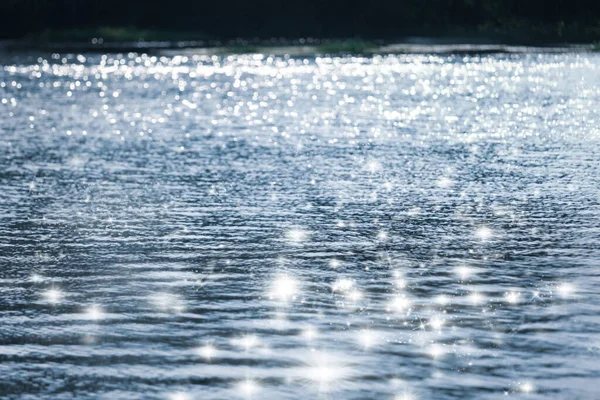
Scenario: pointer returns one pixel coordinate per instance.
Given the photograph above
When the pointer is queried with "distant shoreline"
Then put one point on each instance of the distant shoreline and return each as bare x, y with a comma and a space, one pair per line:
311, 47
111, 39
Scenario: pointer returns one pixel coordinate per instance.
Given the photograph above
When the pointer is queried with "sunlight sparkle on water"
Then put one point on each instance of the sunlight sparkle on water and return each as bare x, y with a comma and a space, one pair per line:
565, 289
284, 288
207, 352
436, 323
512, 297
248, 388
180, 396
342, 285
527, 387
355, 295
296, 235
405, 396
94, 312
310, 333
247, 342
445, 182
367, 339
326, 372
436, 351
399, 281
476, 298
53, 295
464, 272
167, 302
400, 304
442, 299
374, 166
484, 233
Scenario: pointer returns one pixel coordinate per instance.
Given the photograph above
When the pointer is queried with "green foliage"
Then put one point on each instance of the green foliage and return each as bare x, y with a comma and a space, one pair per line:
350, 46
239, 49
115, 35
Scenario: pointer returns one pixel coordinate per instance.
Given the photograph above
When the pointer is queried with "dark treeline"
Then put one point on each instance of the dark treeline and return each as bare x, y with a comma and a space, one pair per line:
524, 20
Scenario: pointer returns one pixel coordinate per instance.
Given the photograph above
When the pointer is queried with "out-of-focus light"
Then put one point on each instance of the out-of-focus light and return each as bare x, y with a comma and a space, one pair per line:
310, 333
565, 289
296, 235
342, 285
445, 182
247, 342
325, 372
382, 235
367, 339
406, 396
167, 302
374, 166
442, 299
463, 272
53, 295
512, 297
180, 396
436, 323
484, 233
476, 298
207, 352
400, 304
527, 387
248, 388
284, 288
436, 351
94, 312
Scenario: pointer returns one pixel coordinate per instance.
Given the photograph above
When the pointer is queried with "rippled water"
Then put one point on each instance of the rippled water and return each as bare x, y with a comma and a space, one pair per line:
195, 227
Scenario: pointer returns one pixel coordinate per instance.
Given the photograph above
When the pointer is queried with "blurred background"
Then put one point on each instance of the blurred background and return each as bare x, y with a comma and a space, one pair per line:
518, 21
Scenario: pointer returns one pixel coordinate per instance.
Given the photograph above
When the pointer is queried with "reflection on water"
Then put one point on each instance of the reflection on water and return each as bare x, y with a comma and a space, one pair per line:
196, 227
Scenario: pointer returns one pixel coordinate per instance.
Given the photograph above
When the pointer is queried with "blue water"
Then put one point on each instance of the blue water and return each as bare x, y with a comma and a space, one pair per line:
396, 227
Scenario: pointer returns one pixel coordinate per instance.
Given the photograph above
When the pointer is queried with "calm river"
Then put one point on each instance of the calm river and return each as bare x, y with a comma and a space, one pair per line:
390, 227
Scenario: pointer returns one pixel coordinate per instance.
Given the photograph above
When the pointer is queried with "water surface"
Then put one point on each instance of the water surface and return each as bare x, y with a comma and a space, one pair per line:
197, 227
